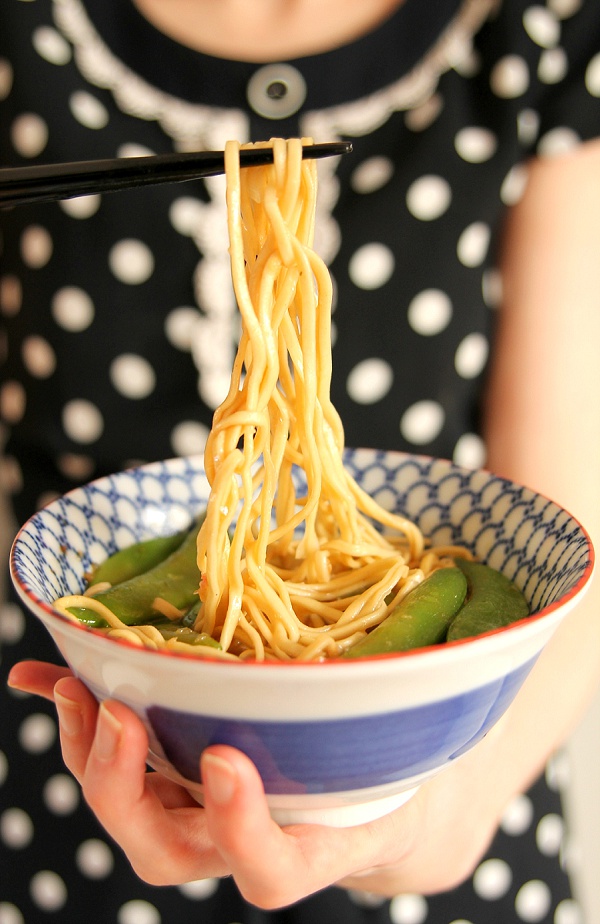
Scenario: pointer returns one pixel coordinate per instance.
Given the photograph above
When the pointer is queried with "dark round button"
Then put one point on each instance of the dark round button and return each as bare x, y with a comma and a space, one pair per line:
276, 91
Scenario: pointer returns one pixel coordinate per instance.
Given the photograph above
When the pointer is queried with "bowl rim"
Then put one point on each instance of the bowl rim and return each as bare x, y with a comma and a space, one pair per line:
29, 597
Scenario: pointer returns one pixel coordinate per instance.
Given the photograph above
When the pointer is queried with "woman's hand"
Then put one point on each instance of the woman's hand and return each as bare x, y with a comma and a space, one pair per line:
170, 839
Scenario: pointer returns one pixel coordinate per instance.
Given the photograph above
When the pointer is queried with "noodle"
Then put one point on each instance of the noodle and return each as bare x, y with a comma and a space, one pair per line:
286, 576
288, 558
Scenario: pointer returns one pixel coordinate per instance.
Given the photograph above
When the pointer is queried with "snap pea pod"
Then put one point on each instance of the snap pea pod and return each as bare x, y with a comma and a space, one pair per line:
492, 601
135, 559
175, 579
421, 618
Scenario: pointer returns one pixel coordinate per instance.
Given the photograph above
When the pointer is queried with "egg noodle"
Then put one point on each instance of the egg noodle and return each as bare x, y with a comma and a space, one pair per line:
287, 573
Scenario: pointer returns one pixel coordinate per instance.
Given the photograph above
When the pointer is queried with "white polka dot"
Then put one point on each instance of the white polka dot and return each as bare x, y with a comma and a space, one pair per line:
517, 816
38, 356
558, 141
372, 174
371, 266
213, 388
3, 768
131, 261
75, 466
528, 126
549, 834
475, 144
61, 794
568, 912
492, 879
185, 214
510, 77
95, 859
29, 134
564, 8
365, 899
12, 623
189, 438
10, 914
553, 65
199, 889
592, 76
11, 476
132, 375
6, 78
179, 327
541, 26
370, 381
81, 207
408, 909
533, 900
37, 733
51, 46
138, 912
16, 828
36, 246
88, 110
420, 118
491, 287
11, 295
429, 312
48, 890
422, 422
428, 197
514, 184
473, 244
133, 150
471, 355
12, 401
72, 308
82, 421
469, 451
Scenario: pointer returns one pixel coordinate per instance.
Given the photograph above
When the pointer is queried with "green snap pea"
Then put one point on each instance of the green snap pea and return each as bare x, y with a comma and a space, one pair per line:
175, 579
421, 618
492, 601
135, 559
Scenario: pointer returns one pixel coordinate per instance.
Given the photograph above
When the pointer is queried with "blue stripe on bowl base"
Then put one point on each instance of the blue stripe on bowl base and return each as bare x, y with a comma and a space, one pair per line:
345, 754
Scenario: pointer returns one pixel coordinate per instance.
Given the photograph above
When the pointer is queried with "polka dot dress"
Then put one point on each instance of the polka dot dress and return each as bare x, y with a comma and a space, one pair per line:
118, 329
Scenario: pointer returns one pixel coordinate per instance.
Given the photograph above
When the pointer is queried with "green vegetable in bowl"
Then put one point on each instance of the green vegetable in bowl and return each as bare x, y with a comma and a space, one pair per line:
421, 618
175, 579
493, 601
135, 559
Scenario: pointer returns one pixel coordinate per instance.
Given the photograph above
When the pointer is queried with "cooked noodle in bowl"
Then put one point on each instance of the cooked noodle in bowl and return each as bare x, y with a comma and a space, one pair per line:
305, 548
286, 576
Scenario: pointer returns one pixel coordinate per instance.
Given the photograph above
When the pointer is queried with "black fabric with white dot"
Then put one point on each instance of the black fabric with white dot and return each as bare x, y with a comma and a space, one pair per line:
118, 329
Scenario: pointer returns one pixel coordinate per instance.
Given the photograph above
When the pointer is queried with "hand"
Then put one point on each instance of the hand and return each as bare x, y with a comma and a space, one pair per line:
170, 839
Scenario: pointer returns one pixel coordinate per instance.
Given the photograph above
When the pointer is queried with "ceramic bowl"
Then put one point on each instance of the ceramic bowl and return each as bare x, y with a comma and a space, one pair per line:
340, 742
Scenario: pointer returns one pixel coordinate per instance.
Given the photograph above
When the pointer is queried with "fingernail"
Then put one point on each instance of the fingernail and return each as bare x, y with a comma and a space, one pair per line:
70, 715
219, 777
108, 734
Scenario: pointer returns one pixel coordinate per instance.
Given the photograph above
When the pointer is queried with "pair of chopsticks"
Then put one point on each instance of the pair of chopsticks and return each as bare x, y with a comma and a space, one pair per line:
48, 182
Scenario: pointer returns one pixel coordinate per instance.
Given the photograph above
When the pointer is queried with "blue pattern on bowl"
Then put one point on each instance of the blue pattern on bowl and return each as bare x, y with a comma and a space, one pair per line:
346, 754
545, 555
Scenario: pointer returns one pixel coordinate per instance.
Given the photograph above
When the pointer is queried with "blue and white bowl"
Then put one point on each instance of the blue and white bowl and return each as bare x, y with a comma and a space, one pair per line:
336, 743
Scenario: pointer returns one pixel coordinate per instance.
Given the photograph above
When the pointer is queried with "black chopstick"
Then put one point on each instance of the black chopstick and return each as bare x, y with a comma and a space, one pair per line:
47, 182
